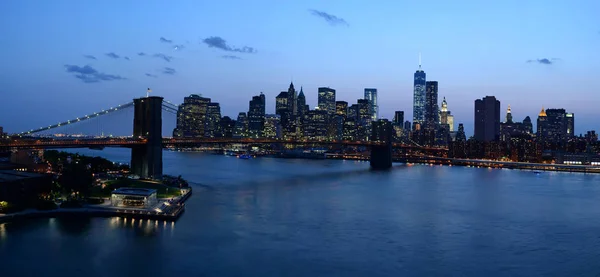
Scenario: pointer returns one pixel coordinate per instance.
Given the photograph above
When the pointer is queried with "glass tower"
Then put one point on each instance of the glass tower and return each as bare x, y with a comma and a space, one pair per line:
419, 96
371, 96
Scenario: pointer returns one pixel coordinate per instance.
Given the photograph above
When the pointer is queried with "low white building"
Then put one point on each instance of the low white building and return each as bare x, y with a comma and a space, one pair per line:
134, 198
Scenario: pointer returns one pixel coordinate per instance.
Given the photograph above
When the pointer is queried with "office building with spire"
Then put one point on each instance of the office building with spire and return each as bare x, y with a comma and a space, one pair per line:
555, 125
511, 130
301, 105
419, 96
446, 117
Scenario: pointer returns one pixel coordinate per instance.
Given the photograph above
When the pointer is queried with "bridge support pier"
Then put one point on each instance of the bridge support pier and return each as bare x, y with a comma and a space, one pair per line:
146, 160
381, 155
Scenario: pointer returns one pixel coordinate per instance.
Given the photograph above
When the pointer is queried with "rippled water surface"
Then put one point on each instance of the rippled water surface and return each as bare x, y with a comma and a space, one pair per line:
276, 217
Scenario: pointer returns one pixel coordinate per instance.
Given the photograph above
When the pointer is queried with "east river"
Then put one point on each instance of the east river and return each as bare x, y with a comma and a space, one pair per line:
278, 217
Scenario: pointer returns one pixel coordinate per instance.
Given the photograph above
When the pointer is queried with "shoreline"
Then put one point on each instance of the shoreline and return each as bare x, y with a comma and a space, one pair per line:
96, 211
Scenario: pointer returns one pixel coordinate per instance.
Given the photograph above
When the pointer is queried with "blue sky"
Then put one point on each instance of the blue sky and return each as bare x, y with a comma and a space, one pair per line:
472, 48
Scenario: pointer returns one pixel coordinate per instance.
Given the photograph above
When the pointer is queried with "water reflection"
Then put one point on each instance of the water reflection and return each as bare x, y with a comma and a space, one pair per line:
74, 225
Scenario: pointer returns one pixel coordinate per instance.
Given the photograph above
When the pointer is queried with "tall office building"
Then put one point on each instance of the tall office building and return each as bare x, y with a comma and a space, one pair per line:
353, 111
256, 116
431, 106
240, 129
281, 103
301, 105
419, 96
553, 125
272, 126
527, 125
191, 117
227, 126
326, 100
460, 134
292, 100
213, 120
570, 125
487, 119
446, 117
364, 119
316, 124
371, 96
341, 108
399, 118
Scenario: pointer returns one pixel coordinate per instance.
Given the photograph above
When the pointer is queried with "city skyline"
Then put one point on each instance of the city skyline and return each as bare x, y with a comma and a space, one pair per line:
526, 69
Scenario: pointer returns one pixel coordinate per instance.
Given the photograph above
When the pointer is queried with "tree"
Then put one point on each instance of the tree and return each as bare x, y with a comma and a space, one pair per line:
77, 178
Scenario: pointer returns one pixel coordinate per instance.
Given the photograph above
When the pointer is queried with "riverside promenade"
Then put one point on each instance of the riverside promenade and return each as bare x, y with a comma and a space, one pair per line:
167, 210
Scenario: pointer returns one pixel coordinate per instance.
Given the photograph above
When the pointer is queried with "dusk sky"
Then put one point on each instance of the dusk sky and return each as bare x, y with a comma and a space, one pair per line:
64, 59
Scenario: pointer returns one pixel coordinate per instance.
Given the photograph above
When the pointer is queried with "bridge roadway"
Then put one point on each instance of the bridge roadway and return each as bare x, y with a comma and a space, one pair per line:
26, 143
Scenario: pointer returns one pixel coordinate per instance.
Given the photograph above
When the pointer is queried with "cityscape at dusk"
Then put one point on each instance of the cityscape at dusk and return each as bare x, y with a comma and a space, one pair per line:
212, 50
299, 138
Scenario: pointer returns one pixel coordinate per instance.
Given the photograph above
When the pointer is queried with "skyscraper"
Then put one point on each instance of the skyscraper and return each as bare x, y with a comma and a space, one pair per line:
301, 105
241, 126
353, 111
272, 126
364, 119
316, 125
326, 100
508, 115
399, 118
227, 126
431, 106
191, 117
341, 108
570, 125
460, 134
256, 116
213, 120
446, 117
553, 125
487, 119
371, 96
281, 103
419, 95
292, 100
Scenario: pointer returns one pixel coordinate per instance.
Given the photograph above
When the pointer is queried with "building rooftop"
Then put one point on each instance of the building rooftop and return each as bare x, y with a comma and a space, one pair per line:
134, 191
12, 175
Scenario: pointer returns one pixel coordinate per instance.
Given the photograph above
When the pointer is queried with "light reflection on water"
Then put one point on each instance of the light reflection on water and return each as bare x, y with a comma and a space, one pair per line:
269, 217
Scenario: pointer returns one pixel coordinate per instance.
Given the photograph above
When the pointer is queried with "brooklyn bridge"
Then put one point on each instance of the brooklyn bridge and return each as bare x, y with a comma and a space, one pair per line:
147, 141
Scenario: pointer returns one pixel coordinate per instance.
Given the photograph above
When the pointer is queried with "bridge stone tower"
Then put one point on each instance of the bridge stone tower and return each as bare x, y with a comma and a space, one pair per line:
146, 160
381, 155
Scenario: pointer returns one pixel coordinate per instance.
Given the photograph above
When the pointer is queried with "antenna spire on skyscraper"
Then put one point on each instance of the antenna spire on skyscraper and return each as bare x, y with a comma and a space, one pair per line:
419, 60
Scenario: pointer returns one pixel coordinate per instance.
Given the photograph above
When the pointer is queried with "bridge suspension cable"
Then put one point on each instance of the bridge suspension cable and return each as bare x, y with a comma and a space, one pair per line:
77, 120
169, 107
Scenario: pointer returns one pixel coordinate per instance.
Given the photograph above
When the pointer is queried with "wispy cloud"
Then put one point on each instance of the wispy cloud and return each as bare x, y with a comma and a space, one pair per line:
169, 71
163, 56
151, 75
127, 58
141, 54
545, 61
330, 18
231, 57
112, 55
162, 39
220, 43
89, 57
88, 74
